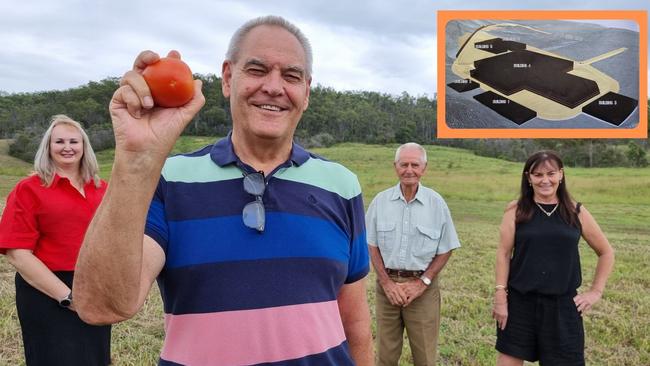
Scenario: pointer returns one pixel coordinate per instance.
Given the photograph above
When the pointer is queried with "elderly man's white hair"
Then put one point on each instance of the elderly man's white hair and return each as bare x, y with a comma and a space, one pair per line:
411, 145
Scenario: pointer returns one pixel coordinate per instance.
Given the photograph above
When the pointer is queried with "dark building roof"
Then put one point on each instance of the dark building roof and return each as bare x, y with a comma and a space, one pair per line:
538, 73
498, 45
463, 85
612, 107
512, 110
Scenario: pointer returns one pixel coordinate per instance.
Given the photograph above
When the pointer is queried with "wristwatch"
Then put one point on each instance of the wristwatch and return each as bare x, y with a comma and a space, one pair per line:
426, 280
66, 301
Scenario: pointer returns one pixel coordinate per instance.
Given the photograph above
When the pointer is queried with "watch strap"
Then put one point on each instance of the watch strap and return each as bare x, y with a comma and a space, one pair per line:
426, 280
66, 301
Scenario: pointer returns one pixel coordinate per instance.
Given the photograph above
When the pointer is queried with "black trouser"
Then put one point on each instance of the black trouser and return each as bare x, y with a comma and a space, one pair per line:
53, 335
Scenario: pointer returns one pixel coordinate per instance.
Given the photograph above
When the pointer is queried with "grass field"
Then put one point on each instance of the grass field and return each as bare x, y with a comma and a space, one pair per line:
476, 190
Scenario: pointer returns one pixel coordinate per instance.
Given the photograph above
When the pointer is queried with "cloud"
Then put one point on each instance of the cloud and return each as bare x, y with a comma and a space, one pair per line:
381, 45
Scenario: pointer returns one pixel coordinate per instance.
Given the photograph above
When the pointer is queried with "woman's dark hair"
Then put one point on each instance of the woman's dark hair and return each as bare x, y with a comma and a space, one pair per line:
526, 203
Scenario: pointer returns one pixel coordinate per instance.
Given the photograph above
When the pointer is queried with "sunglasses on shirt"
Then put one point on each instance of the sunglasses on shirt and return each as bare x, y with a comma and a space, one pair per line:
254, 215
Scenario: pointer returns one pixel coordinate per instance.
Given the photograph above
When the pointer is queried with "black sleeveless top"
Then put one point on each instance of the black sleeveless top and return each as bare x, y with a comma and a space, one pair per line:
545, 259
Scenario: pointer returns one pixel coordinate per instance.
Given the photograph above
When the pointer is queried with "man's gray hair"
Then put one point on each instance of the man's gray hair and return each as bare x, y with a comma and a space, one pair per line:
272, 20
411, 145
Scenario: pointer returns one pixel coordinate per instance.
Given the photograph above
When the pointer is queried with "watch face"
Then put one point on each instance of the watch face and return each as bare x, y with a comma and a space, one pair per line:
65, 303
426, 280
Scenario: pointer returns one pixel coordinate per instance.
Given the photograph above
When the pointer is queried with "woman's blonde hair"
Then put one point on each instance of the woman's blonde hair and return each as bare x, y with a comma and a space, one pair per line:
44, 166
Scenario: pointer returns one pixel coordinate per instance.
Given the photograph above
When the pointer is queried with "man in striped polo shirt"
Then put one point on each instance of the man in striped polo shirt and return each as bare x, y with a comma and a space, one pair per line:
258, 246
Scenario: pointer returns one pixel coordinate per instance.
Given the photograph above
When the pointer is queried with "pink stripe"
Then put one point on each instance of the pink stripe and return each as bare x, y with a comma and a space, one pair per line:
248, 337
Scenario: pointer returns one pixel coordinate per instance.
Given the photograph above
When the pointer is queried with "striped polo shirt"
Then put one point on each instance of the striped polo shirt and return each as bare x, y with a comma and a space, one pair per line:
233, 296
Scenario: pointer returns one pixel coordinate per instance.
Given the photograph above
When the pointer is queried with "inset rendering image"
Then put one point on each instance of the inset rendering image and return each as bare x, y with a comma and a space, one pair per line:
543, 77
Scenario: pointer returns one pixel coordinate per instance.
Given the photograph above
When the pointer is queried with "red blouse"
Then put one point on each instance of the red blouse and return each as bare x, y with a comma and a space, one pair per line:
50, 221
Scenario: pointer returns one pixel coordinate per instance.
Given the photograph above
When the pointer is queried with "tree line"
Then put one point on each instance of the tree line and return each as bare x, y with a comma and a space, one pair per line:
332, 117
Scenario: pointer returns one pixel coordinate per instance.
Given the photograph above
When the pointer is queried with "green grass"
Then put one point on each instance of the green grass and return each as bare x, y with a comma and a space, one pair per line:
476, 190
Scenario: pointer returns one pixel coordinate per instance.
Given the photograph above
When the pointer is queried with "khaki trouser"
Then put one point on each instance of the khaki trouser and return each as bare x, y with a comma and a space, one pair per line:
421, 319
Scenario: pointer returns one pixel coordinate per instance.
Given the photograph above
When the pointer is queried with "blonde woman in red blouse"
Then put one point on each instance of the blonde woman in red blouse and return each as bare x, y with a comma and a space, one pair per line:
41, 230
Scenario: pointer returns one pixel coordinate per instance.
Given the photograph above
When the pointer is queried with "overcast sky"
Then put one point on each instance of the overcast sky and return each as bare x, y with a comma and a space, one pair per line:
382, 45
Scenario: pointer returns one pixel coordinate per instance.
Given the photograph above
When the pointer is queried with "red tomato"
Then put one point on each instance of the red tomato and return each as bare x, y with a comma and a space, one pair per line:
170, 82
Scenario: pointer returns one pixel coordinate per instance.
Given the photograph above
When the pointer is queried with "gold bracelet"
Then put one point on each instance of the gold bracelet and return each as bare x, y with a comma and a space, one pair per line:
500, 287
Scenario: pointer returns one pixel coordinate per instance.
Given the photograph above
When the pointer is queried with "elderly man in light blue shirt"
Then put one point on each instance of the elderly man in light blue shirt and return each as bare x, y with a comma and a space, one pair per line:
411, 236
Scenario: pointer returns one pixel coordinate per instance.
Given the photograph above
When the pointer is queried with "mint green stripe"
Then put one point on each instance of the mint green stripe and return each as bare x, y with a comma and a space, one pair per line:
327, 175
197, 169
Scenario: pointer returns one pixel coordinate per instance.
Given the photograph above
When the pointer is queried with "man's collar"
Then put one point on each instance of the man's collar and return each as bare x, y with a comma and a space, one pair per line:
223, 153
397, 194
298, 154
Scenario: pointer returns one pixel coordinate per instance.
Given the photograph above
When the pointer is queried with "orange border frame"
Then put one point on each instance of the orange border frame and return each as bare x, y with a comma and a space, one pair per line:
640, 131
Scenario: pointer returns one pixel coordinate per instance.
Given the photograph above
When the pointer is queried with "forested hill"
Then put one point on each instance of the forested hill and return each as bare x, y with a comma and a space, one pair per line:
332, 117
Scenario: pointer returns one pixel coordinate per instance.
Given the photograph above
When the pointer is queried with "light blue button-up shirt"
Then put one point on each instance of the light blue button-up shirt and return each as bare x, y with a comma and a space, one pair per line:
410, 234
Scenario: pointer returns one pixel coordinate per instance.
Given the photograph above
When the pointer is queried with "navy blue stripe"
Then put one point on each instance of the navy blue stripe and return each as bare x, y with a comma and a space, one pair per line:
162, 362
357, 276
246, 285
156, 226
227, 239
225, 198
359, 264
190, 201
335, 356
308, 200
357, 217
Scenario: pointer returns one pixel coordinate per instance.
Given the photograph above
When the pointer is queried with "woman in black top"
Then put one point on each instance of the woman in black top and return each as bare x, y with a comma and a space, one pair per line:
536, 305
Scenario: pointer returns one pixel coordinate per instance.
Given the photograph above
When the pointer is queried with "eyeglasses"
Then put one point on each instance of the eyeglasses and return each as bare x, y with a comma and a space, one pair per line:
253, 214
